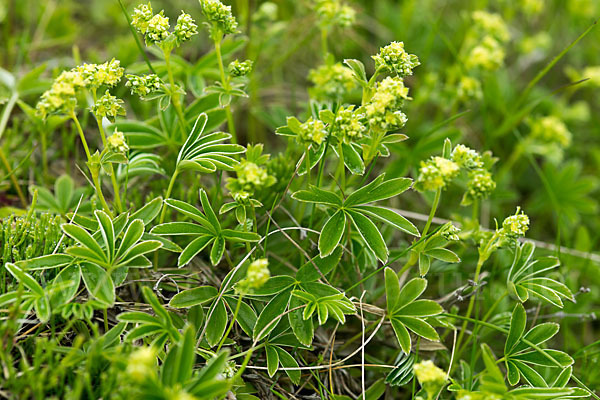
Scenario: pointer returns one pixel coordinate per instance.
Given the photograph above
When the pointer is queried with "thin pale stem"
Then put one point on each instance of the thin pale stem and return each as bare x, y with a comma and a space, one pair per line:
225, 83
235, 313
175, 96
436, 202
94, 172
167, 195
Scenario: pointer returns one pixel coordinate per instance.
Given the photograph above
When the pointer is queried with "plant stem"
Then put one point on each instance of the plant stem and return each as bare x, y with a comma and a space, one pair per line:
3, 121
111, 169
436, 202
225, 83
175, 96
93, 171
136, 37
235, 313
483, 256
324, 47
13, 178
167, 195
81, 136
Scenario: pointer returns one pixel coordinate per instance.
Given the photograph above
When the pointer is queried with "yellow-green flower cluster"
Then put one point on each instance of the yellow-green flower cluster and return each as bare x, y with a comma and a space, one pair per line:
117, 143
158, 28
450, 232
466, 157
240, 68
142, 14
108, 106
61, 98
348, 126
219, 15
540, 42
266, 12
550, 129
480, 184
105, 74
532, 7
516, 225
331, 82
383, 110
486, 51
334, 13
143, 85
491, 24
488, 54
393, 58
141, 364
250, 173
430, 377
469, 88
185, 28
593, 74
312, 131
436, 173
258, 274
155, 28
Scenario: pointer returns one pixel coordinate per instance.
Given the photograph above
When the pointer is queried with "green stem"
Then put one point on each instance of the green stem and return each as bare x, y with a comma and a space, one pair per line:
485, 318
81, 136
111, 169
225, 84
44, 143
235, 313
136, 37
167, 195
98, 187
324, 47
436, 202
526, 341
3, 122
93, 171
483, 256
175, 96
13, 178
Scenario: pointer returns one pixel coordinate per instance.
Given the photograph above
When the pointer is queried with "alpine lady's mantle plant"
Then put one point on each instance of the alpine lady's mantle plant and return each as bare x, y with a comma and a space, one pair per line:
232, 273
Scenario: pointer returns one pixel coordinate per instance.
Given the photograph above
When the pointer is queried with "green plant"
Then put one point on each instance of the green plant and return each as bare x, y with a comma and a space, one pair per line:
226, 221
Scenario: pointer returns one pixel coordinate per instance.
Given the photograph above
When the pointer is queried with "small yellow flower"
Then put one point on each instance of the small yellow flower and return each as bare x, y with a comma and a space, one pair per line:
488, 55
394, 58
313, 130
516, 225
258, 274
117, 143
141, 363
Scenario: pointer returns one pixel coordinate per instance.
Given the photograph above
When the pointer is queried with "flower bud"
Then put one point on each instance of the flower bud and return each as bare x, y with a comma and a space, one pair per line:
117, 143
237, 68
516, 225
393, 58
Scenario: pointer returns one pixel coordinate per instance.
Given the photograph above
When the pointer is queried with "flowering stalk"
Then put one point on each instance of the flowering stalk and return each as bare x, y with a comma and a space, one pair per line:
225, 83
94, 169
174, 95
167, 195
235, 314
513, 227
5, 115
113, 178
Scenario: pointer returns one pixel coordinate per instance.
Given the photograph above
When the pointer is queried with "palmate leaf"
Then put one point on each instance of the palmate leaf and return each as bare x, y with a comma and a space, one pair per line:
207, 232
520, 357
527, 278
406, 313
354, 210
403, 373
106, 249
207, 153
